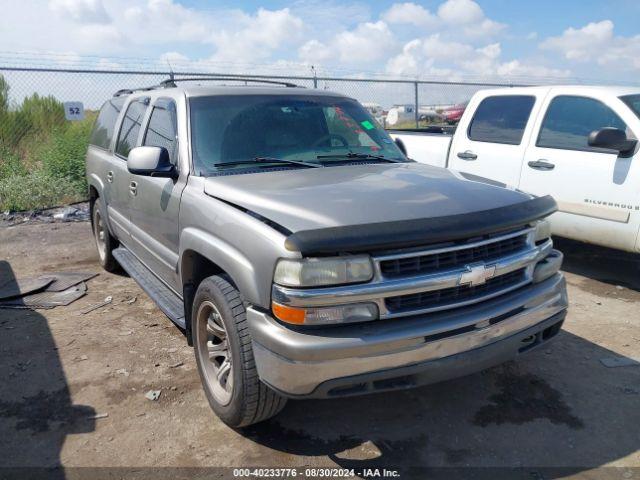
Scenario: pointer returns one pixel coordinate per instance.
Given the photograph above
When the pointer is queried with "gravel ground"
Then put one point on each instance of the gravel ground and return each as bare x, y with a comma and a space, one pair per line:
72, 387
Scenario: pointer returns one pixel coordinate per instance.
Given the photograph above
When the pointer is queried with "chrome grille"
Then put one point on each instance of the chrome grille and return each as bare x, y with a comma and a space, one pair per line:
480, 269
431, 263
455, 296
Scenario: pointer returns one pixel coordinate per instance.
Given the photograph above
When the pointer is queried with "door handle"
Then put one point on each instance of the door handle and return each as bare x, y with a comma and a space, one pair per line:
467, 155
133, 188
541, 164
110, 176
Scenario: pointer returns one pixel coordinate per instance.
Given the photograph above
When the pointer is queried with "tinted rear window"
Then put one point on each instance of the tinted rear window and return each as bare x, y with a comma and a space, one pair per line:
104, 127
501, 119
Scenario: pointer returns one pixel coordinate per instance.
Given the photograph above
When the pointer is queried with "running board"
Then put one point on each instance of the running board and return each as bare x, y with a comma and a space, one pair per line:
167, 301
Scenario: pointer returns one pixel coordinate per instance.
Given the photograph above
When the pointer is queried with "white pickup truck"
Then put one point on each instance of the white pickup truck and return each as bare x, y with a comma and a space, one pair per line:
576, 143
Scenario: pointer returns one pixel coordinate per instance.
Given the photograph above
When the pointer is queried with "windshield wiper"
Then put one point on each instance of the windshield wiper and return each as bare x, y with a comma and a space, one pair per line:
360, 155
269, 160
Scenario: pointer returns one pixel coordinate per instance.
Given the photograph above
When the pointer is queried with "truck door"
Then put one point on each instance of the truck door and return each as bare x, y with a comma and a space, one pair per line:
118, 176
155, 204
491, 144
597, 190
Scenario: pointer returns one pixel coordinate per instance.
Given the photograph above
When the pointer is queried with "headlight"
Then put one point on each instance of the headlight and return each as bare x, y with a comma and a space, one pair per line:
352, 313
543, 231
319, 272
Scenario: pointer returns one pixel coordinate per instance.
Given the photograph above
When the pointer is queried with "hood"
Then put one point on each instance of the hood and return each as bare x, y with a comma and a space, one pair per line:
342, 196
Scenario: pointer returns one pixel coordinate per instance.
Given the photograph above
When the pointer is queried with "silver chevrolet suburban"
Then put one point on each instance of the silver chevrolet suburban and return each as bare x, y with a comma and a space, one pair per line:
303, 254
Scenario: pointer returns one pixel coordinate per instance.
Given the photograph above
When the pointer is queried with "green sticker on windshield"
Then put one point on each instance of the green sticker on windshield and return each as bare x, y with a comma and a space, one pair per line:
367, 124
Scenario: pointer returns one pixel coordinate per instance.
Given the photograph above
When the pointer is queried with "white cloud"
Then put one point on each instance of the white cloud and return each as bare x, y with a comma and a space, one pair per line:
407, 62
460, 12
515, 68
107, 64
314, 51
366, 44
409, 13
96, 36
164, 21
579, 44
369, 42
597, 43
438, 48
81, 11
468, 15
256, 37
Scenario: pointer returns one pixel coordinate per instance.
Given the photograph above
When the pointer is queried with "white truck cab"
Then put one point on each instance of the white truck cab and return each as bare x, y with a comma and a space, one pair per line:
537, 139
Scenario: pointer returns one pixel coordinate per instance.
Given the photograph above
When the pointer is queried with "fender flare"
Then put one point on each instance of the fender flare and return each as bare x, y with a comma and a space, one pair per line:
229, 259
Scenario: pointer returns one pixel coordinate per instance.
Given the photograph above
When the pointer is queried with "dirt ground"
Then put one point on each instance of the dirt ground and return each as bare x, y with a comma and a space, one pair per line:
72, 387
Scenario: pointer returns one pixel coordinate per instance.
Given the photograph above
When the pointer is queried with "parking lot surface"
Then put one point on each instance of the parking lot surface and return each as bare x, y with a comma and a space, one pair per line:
73, 385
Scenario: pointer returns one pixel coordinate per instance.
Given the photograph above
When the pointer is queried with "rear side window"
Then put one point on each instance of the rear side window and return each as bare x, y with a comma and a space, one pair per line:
501, 119
161, 131
130, 128
104, 127
570, 120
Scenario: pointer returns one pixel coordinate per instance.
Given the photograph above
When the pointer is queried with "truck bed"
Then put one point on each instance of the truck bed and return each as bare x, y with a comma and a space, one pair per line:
430, 143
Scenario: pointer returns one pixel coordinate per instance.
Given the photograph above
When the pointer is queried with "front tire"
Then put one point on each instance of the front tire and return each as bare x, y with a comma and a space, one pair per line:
224, 356
105, 242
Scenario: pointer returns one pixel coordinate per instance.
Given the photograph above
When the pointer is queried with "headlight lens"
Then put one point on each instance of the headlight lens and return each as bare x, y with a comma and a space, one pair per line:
318, 272
352, 313
543, 230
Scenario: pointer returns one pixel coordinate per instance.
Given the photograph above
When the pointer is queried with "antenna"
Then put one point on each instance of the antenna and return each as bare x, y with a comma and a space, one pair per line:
170, 82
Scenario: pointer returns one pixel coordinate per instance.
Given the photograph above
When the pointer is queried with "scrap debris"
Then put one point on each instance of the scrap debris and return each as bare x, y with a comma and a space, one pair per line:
46, 291
78, 212
91, 308
153, 395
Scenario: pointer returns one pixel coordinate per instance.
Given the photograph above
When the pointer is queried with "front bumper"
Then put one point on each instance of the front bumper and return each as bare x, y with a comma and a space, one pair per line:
402, 353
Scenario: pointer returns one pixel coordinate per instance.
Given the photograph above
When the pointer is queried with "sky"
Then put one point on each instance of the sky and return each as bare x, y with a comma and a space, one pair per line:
449, 39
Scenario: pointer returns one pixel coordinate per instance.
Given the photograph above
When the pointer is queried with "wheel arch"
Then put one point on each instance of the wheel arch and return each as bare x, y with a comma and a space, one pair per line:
203, 255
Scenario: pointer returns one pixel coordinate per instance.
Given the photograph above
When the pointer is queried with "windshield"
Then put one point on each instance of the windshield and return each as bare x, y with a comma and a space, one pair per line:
240, 128
633, 102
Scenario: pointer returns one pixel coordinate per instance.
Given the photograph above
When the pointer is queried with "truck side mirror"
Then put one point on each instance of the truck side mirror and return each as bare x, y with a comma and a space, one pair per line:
400, 144
612, 139
151, 162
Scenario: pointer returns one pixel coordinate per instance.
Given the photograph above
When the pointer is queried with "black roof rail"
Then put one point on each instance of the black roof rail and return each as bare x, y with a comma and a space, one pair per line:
129, 91
171, 82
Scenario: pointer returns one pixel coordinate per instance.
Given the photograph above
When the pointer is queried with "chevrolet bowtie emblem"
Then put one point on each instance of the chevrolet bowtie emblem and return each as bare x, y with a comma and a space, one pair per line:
477, 274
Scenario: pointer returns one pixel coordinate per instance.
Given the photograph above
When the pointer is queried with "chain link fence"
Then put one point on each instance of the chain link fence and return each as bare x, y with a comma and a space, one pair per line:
42, 152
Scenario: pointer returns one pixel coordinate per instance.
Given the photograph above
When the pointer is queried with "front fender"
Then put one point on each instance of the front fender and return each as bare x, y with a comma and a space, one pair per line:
225, 256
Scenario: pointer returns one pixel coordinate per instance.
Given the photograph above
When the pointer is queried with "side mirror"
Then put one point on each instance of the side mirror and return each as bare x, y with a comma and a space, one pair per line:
400, 144
612, 139
151, 162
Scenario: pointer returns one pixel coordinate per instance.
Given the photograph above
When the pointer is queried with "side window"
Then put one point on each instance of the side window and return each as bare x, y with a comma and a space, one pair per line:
569, 121
501, 119
161, 131
104, 127
130, 128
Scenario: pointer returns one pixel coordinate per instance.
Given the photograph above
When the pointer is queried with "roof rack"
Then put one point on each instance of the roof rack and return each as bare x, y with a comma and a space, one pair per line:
171, 82
129, 91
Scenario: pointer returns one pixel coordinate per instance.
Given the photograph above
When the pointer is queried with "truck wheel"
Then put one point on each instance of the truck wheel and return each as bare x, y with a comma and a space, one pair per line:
104, 241
224, 356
